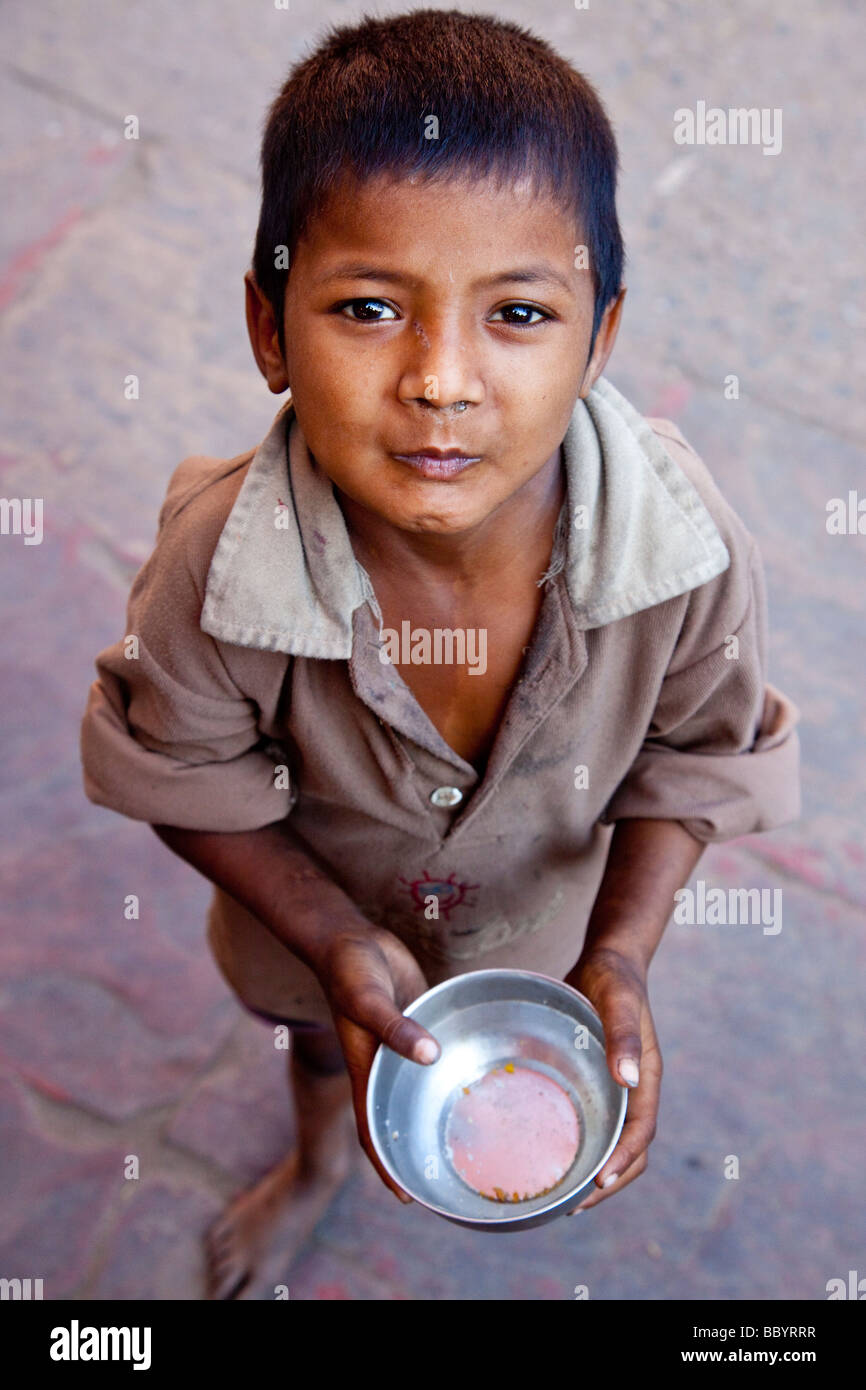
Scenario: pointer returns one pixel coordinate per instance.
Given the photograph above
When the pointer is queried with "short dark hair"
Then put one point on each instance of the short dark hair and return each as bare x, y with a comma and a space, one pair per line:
507, 104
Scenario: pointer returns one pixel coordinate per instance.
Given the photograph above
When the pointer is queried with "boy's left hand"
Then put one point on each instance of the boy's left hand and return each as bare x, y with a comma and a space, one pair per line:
616, 986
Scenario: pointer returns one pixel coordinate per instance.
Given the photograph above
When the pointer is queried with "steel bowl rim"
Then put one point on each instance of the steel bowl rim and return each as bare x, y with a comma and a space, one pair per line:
492, 1221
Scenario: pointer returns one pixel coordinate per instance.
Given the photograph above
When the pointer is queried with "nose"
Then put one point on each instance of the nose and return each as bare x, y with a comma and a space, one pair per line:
439, 373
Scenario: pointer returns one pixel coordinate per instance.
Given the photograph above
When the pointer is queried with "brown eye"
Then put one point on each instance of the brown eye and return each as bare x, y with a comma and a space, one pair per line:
522, 311
366, 305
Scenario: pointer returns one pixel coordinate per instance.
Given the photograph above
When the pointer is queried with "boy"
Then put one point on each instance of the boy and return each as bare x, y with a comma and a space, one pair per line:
304, 721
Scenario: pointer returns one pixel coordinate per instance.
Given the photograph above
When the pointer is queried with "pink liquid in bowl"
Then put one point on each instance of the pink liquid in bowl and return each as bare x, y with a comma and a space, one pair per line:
513, 1135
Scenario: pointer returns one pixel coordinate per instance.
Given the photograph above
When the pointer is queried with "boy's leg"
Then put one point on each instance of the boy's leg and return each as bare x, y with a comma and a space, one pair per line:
264, 1227
323, 1103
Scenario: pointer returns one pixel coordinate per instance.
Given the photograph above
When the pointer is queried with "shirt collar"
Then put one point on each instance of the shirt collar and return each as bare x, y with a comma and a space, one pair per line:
284, 576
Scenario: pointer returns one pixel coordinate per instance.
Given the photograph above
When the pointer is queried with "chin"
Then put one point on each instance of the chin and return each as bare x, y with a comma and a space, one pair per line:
434, 524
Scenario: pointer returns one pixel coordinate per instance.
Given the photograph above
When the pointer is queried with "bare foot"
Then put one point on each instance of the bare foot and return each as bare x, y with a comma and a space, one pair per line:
263, 1228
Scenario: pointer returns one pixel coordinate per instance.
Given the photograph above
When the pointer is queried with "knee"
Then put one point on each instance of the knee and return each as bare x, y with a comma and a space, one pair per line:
319, 1052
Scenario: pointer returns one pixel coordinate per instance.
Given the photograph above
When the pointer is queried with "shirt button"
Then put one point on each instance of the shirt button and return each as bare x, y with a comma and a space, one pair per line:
446, 796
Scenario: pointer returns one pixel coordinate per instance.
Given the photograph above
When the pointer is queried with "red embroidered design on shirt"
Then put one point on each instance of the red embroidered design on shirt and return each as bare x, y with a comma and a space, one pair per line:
449, 893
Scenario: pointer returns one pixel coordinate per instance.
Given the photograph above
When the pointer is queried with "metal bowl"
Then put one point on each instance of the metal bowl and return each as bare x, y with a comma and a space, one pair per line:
482, 1020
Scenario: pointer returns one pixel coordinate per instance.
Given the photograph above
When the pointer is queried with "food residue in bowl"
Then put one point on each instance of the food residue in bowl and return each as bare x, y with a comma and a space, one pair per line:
513, 1135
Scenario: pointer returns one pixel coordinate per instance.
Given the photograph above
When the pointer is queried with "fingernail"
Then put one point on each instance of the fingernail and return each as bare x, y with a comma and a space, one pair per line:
628, 1070
403, 1198
577, 1211
426, 1050
611, 1178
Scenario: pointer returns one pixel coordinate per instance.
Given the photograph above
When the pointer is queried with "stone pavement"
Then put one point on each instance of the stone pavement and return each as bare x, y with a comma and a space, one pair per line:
118, 1037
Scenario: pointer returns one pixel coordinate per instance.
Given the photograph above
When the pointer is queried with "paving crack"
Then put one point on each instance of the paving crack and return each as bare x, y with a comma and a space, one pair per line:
46, 87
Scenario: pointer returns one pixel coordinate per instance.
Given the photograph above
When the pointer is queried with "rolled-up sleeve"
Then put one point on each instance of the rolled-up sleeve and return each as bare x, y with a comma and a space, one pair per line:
167, 737
722, 753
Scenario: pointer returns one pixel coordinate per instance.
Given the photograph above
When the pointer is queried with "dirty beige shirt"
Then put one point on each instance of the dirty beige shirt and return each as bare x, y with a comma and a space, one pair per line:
258, 692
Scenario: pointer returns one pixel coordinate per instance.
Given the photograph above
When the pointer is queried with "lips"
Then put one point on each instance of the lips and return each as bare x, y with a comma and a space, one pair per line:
434, 462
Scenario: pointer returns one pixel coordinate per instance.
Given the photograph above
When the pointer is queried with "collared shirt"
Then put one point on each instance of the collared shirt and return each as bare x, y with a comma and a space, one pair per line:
258, 687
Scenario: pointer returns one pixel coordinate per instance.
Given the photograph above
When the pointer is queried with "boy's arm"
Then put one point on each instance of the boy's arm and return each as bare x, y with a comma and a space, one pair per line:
721, 754
647, 862
719, 760
273, 876
367, 975
170, 737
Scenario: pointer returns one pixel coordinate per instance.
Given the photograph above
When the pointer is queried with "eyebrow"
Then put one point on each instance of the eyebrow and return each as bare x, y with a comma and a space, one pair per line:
539, 274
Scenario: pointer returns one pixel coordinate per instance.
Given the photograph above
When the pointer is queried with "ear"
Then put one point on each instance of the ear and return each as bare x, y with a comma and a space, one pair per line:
262, 328
603, 345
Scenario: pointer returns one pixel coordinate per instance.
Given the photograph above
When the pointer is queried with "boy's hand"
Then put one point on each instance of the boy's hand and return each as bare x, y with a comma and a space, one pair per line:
368, 977
616, 985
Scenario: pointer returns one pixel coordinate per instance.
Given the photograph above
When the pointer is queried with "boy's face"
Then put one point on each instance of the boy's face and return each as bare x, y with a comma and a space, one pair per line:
407, 297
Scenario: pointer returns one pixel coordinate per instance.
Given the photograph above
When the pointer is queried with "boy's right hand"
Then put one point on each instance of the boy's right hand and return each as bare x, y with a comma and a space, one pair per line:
367, 978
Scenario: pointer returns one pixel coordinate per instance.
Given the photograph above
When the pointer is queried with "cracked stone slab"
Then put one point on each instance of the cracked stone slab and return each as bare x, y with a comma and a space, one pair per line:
156, 1251
77, 1041
54, 1198
158, 967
